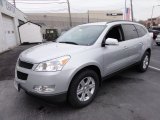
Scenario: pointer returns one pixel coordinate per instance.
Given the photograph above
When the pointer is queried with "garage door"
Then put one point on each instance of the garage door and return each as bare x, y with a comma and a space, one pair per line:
9, 31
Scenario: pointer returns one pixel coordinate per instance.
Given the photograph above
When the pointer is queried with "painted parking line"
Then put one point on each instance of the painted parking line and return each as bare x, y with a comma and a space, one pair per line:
158, 69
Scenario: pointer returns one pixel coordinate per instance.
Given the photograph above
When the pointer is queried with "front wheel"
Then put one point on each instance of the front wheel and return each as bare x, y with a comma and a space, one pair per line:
83, 88
144, 63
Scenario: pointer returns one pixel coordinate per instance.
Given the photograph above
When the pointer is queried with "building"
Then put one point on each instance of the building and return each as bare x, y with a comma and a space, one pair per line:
60, 21
155, 21
10, 19
26, 36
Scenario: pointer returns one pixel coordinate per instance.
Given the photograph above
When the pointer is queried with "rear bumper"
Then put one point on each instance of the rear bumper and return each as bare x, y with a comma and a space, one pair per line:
158, 40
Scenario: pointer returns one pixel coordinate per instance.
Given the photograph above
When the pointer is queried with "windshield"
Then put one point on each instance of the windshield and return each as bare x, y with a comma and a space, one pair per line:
82, 35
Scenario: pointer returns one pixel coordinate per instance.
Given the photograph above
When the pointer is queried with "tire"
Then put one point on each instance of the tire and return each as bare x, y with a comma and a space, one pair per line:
144, 63
86, 93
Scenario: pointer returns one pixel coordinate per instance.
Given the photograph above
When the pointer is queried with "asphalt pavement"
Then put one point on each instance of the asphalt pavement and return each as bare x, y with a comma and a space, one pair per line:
127, 96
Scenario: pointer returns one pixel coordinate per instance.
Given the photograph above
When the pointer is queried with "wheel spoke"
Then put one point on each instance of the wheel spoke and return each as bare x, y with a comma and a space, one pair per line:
89, 93
82, 83
83, 96
88, 80
91, 86
79, 91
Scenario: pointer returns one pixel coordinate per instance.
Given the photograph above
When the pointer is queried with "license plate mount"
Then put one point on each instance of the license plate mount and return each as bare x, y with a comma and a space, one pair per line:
17, 86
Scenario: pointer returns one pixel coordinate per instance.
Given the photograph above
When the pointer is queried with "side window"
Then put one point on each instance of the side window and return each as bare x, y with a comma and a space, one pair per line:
116, 33
130, 32
141, 30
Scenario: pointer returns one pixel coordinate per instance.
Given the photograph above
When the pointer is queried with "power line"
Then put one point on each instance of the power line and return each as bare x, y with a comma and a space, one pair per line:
25, 2
56, 10
36, 0
40, 3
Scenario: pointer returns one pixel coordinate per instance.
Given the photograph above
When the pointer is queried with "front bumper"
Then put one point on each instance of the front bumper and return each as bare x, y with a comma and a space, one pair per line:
60, 80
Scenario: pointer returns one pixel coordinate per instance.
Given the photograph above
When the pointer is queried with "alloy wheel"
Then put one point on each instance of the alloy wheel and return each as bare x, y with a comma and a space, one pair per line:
86, 89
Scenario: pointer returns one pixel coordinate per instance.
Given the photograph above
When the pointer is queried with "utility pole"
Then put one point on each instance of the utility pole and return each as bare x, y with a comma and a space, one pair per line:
69, 11
125, 9
88, 16
152, 14
132, 11
14, 3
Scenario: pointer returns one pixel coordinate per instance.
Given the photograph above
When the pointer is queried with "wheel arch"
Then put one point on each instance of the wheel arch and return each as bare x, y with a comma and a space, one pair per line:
148, 50
91, 67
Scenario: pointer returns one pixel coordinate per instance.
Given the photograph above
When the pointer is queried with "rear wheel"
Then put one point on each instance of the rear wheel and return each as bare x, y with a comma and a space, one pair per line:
144, 63
83, 88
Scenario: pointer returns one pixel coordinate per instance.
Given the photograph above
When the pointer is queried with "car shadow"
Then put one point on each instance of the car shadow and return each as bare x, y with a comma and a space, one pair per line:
115, 82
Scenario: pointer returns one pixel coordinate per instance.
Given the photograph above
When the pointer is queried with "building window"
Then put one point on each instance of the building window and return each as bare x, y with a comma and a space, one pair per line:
114, 14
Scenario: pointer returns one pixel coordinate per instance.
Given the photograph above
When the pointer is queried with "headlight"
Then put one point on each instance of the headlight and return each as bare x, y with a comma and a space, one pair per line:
53, 65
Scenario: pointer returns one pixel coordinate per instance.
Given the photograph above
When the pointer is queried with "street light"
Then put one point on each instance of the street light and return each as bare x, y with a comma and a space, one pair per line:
152, 14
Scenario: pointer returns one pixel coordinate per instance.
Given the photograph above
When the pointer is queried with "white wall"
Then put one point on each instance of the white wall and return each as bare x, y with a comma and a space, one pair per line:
9, 10
30, 33
2, 41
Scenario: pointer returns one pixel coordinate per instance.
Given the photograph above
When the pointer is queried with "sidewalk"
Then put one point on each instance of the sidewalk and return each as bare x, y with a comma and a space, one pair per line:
8, 61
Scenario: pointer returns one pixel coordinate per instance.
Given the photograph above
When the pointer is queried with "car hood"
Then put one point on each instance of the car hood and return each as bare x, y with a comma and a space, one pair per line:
50, 51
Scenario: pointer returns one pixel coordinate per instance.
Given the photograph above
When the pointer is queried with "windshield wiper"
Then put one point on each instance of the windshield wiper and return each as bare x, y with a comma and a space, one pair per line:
69, 42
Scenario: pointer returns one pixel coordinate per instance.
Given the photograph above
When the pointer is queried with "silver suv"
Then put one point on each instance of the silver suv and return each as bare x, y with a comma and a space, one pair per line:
75, 65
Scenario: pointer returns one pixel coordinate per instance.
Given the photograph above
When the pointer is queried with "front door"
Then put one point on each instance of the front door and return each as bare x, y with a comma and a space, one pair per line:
115, 56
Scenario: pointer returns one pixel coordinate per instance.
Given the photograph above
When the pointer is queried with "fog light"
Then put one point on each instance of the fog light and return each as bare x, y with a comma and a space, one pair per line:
44, 89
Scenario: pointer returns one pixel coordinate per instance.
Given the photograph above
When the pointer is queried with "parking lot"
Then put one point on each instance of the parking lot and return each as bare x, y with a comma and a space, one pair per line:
127, 96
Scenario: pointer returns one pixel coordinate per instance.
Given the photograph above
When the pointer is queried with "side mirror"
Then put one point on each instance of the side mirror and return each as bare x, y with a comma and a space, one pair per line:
111, 41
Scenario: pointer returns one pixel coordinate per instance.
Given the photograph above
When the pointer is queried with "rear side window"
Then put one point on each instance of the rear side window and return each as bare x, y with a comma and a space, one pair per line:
130, 32
141, 31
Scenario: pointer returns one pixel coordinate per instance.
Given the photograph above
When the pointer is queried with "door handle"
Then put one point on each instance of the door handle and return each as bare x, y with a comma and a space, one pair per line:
141, 43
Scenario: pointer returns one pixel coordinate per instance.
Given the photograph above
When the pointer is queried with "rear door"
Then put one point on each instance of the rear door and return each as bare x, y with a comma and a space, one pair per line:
133, 43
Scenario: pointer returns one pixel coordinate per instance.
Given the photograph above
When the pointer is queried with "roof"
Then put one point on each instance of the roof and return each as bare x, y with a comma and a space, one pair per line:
30, 22
96, 23
105, 23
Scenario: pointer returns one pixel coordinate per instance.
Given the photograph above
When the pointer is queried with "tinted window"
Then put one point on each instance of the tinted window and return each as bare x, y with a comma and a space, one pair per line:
141, 30
130, 32
82, 35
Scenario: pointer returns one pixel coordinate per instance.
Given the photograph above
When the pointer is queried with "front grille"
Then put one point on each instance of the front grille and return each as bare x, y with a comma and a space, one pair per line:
22, 76
25, 64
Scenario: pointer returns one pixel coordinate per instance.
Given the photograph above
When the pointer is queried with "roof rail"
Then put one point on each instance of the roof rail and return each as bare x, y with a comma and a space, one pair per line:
120, 21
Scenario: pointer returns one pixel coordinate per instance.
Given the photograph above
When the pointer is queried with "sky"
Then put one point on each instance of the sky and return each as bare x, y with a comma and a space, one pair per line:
142, 8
